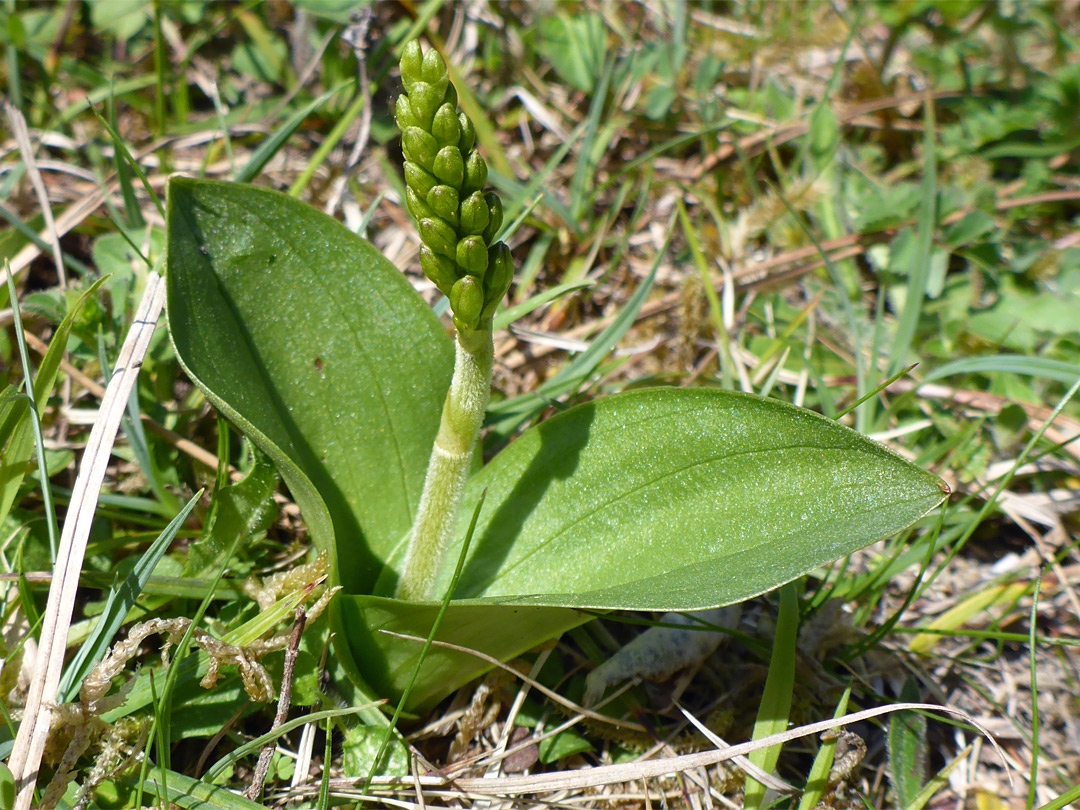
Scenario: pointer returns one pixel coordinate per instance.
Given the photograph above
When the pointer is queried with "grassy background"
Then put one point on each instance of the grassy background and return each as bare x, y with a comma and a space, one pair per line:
849, 188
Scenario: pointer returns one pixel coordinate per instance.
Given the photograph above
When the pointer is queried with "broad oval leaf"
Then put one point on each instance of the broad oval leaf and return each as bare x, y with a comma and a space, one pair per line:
680, 499
314, 344
663, 499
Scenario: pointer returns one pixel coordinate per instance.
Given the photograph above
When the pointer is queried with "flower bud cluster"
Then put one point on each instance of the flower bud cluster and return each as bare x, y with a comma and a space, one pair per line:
444, 191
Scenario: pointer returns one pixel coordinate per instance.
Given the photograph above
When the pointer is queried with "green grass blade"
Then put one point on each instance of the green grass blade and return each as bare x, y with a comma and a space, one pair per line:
328, 145
518, 198
1032, 649
593, 120
775, 709
1007, 364
268, 148
98, 95
919, 272
508, 316
253, 746
1064, 800
510, 414
877, 390
161, 63
134, 217
122, 150
27, 434
117, 605
818, 777
195, 794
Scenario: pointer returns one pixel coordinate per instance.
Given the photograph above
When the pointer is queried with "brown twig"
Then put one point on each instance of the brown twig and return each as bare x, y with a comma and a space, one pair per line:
284, 701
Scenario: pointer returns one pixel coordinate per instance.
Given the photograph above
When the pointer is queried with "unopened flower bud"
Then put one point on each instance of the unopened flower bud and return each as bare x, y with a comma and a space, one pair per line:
412, 59
468, 134
467, 301
419, 147
425, 100
444, 202
474, 214
447, 166
419, 179
500, 274
445, 126
438, 236
475, 173
495, 216
472, 256
439, 269
418, 206
404, 114
433, 69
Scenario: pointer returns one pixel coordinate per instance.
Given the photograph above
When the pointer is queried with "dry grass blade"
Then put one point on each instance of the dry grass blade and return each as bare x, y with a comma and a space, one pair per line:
26, 756
630, 771
766, 778
26, 149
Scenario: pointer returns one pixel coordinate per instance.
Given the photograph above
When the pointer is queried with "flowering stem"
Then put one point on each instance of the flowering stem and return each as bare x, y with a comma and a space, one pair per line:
450, 464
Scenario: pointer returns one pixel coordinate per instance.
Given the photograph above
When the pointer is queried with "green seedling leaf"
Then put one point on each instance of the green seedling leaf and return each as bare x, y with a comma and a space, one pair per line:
310, 341
562, 745
938, 783
245, 508
907, 748
663, 499
119, 602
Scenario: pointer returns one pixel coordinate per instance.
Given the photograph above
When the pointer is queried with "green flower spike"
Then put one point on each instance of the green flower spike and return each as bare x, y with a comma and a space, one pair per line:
445, 177
457, 220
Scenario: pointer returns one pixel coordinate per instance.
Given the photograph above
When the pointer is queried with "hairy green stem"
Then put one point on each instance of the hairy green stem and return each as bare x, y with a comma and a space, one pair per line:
450, 464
